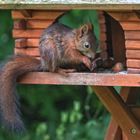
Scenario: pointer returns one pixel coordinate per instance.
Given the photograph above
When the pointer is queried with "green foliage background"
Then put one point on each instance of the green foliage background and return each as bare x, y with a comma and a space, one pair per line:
56, 112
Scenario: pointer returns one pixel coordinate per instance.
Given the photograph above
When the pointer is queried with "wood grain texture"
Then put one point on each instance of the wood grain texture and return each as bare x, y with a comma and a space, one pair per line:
132, 35
131, 26
21, 43
133, 54
32, 24
132, 44
81, 79
38, 14
28, 51
133, 63
124, 15
27, 33
114, 131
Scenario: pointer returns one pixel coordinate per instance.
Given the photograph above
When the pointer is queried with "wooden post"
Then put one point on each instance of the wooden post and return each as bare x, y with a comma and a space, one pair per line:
119, 111
129, 95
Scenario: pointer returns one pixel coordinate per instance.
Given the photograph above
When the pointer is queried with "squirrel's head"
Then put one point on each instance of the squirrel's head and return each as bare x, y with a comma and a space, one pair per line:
86, 41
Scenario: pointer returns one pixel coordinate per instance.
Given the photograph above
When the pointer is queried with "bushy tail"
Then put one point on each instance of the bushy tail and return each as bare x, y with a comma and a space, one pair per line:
9, 113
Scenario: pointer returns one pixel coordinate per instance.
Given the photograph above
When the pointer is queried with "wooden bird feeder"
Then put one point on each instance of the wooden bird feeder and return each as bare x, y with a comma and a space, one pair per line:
120, 37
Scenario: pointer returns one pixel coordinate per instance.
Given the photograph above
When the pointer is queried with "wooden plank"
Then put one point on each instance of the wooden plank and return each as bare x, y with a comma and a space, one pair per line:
133, 63
104, 79
130, 35
103, 36
38, 14
130, 96
36, 33
102, 27
27, 33
20, 24
27, 51
132, 44
21, 43
133, 70
26, 13
114, 131
115, 104
134, 54
131, 26
101, 19
31, 24
124, 16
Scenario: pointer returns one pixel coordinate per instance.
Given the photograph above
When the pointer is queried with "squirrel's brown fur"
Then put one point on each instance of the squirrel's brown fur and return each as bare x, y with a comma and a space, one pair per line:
59, 46
9, 112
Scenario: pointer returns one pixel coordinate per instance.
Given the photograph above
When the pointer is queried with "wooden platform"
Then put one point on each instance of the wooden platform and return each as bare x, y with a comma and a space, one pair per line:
98, 79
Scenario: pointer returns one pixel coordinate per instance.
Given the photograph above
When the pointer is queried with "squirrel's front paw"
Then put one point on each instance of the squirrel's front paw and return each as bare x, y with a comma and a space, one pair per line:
87, 62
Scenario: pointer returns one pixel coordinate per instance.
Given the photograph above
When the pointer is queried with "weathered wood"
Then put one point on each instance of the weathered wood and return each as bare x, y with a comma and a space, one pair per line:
27, 51
132, 35
135, 54
133, 63
131, 26
132, 44
82, 4
119, 111
38, 14
124, 15
82, 79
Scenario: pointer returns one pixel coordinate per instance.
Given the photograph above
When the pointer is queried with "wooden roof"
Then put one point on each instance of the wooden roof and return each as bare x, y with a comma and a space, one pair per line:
71, 4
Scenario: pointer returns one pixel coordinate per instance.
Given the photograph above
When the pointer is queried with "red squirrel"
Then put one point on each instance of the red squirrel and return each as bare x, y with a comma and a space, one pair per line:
59, 46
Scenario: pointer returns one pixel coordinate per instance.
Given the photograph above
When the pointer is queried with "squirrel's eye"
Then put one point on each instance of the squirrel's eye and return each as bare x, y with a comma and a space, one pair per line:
87, 45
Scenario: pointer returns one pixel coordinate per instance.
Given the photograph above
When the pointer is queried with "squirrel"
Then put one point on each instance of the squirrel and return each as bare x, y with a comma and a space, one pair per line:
59, 46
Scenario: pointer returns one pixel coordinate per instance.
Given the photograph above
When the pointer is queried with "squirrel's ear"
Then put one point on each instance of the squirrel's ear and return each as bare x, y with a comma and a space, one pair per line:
84, 29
